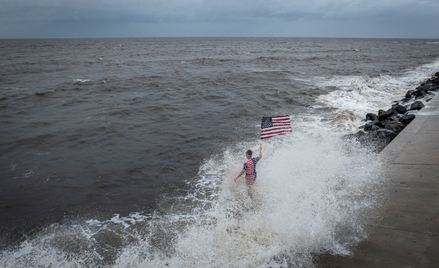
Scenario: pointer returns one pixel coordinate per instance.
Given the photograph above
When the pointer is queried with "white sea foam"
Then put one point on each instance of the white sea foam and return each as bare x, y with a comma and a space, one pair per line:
313, 195
358, 95
82, 80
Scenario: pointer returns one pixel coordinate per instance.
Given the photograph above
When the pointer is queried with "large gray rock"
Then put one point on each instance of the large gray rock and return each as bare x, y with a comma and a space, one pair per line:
409, 94
417, 105
371, 116
385, 115
396, 126
376, 140
381, 132
420, 94
373, 125
400, 109
406, 119
394, 117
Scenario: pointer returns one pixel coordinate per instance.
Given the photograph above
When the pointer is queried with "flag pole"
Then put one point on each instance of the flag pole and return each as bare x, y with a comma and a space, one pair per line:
262, 116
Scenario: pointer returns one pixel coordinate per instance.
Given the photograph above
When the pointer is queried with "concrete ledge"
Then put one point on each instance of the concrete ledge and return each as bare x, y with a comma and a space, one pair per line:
408, 233
407, 250
418, 126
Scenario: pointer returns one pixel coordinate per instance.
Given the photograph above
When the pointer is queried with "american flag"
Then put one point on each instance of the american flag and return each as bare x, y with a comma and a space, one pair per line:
274, 126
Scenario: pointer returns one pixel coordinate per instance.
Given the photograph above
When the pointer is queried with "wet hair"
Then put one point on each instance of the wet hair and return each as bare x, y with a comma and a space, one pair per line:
249, 152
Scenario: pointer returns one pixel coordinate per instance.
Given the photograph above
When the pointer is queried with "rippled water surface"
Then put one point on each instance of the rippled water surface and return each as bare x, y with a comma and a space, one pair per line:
122, 152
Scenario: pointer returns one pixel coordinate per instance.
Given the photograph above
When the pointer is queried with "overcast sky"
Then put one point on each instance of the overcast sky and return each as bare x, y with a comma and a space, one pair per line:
260, 18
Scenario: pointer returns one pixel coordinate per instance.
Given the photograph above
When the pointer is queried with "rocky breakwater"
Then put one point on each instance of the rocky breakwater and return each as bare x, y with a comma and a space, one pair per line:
381, 128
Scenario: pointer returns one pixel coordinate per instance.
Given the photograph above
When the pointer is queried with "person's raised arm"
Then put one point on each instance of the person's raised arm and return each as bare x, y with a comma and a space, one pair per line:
260, 151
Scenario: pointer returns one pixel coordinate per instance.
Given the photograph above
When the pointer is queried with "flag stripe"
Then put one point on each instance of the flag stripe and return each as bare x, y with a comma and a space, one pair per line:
268, 130
275, 130
274, 126
274, 134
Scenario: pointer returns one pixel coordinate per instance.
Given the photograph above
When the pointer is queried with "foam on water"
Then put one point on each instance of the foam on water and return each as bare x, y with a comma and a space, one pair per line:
310, 194
82, 80
314, 194
358, 95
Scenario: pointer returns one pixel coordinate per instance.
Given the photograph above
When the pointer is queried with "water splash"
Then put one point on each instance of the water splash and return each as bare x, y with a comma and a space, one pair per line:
314, 194
358, 95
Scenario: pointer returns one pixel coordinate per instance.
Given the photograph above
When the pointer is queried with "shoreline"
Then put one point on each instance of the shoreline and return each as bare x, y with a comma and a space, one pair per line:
384, 126
407, 234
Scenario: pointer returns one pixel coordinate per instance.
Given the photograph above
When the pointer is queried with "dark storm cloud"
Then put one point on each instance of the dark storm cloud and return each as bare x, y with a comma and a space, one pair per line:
209, 10
27, 13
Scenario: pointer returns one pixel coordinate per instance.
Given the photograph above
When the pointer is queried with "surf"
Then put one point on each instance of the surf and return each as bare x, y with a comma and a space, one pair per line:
314, 194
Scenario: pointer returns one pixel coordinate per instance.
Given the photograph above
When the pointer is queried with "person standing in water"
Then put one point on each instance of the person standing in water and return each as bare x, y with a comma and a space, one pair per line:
250, 169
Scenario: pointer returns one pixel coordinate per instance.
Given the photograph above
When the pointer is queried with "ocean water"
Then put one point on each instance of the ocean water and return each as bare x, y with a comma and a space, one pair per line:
122, 152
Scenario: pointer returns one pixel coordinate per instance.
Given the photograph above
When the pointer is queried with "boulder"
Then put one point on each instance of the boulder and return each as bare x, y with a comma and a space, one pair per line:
385, 115
371, 116
420, 94
400, 109
394, 117
373, 125
409, 94
382, 123
376, 140
426, 86
356, 135
381, 129
395, 126
385, 134
406, 119
417, 105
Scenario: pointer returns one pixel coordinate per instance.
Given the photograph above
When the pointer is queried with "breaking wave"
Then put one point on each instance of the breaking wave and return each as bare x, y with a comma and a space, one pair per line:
355, 96
314, 194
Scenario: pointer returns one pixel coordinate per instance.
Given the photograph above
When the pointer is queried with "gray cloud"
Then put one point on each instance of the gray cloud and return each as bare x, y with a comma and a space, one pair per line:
207, 10
47, 12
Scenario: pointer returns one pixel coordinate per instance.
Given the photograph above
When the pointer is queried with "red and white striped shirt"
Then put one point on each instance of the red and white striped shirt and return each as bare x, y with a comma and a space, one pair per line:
250, 168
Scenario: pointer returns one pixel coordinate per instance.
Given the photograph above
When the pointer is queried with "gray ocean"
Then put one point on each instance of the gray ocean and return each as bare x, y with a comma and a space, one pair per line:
122, 152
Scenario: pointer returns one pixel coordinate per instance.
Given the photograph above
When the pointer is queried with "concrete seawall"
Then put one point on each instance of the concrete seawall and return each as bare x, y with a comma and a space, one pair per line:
408, 234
